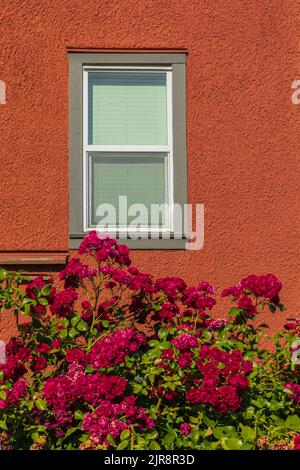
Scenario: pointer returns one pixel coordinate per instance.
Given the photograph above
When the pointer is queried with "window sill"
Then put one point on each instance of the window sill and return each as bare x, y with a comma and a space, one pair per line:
32, 258
139, 244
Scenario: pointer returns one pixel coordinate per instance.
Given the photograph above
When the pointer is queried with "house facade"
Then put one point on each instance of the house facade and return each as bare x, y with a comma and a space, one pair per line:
172, 103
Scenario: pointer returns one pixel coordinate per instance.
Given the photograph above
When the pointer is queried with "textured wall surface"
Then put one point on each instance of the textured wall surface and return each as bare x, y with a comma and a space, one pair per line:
243, 130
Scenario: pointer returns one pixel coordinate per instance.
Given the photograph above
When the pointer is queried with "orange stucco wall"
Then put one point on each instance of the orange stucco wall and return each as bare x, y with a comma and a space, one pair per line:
242, 128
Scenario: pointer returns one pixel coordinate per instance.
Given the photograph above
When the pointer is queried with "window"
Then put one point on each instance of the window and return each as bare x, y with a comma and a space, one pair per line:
127, 145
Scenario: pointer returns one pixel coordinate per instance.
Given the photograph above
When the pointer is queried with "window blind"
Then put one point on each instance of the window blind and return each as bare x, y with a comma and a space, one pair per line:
127, 108
140, 177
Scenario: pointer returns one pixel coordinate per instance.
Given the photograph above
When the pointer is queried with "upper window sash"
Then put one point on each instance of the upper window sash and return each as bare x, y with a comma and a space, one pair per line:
137, 69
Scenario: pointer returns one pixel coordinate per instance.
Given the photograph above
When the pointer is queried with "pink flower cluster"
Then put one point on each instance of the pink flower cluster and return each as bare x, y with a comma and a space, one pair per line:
266, 285
292, 325
185, 428
195, 298
245, 302
99, 426
295, 389
185, 342
63, 302
113, 349
109, 350
38, 363
87, 309
171, 286
62, 392
106, 419
13, 396
218, 324
17, 355
224, 379
74, 271
132, 278
32, 289
75, 355
104, 248
297, 442
104, 392
181, 301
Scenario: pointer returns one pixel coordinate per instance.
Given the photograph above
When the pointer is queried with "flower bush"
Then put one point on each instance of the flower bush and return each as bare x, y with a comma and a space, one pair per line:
111, 358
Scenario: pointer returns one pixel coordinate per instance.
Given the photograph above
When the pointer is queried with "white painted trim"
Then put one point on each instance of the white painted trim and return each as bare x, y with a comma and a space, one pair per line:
131, 230
84, 156
170, 144
137, 68
128, 148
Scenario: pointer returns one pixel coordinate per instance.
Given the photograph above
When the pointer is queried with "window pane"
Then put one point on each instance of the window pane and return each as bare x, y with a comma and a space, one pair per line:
140, 177
127, 108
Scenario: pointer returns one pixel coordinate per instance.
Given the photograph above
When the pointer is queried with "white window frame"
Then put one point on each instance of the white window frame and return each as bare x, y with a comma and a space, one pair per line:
167, 149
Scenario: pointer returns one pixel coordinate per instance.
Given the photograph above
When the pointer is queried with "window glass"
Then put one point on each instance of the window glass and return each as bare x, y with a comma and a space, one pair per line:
142, 178
127, 108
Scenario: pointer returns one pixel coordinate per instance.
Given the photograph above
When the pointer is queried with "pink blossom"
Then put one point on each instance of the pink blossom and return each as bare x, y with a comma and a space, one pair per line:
63, 302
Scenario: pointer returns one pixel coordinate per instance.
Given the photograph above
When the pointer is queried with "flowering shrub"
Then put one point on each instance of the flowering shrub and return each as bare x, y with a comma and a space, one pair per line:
114, 359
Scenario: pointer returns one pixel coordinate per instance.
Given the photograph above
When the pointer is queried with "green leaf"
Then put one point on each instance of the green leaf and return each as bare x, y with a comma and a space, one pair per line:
171, 385
41, 404
71, 431
30, 405
25, 310
293, 422
123, 445
207, 421
248, 434
164, 345
43, 301
247, 446
111, 440
73, 332
35, 436
2, 395
3, 273
234, 311
231, 443
63, 334
154, 445
170, 437
46, 290
78, 414
65, 323
89, 369
3, 425
136, 388
82, 326
125, 435
163, 332
75, 320
151, 354
156, 307
207, 335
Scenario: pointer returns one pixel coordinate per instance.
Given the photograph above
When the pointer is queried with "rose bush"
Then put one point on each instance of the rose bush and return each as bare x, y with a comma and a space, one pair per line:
114, 359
